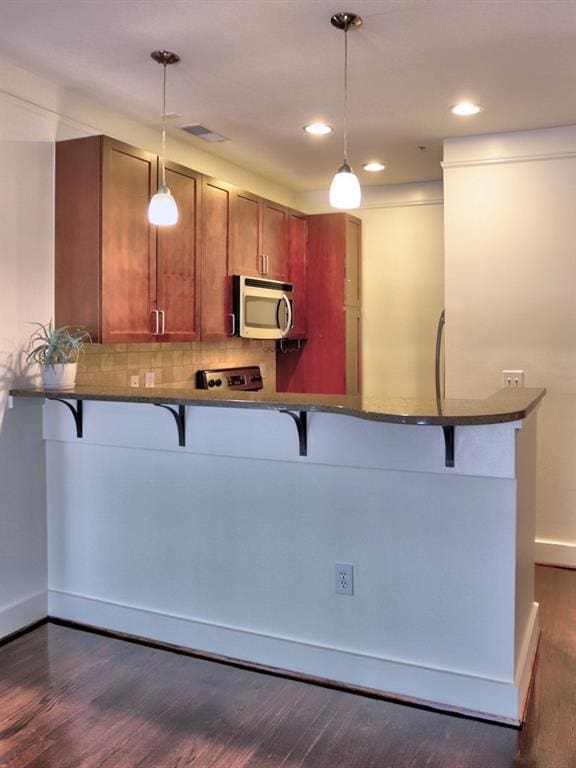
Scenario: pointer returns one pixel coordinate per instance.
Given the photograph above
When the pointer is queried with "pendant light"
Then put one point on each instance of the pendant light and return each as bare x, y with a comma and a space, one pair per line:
163, 210
345, 188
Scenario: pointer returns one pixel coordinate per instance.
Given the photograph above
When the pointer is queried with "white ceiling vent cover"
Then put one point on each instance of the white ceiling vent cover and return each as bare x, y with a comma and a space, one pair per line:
204, 133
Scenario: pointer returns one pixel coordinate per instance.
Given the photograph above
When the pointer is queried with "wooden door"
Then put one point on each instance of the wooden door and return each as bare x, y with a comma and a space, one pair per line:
353, 351
353, 251
128, 266
274, 262
216, 309
245, 254
297, 245
178, 259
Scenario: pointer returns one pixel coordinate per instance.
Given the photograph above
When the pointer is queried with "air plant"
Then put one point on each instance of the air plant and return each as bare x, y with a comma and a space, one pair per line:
54, 346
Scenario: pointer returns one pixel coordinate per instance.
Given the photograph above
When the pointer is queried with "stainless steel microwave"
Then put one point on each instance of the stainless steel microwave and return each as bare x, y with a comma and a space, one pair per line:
263, 309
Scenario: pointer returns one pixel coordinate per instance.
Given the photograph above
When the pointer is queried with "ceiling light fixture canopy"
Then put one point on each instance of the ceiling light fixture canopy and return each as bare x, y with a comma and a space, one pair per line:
163, 210
345, 188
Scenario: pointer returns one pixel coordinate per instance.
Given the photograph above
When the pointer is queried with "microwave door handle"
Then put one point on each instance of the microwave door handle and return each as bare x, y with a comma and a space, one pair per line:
288, 313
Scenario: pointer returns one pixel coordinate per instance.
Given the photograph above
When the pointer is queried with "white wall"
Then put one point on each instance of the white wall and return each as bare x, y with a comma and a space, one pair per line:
402, 285
26, 294
510, 262
77, 115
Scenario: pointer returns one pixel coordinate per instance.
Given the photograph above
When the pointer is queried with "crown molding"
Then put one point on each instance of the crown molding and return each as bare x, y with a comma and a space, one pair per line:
507, 160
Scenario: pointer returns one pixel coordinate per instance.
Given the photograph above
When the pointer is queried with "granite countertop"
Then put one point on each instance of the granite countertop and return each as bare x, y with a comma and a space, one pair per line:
504, 405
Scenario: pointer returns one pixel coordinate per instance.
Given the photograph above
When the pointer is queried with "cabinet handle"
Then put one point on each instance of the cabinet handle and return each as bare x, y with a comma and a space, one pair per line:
265, 265
262, 267
233, 316
156, 322
163, 316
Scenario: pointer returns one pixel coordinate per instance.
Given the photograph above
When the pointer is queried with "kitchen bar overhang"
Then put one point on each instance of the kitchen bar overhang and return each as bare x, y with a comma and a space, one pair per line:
512, 404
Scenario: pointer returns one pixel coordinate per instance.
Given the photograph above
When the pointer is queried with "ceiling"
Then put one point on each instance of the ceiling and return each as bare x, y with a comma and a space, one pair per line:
256, 71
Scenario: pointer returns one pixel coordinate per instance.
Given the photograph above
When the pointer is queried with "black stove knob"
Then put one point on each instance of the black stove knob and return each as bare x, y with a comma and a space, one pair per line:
211, 383
218, 382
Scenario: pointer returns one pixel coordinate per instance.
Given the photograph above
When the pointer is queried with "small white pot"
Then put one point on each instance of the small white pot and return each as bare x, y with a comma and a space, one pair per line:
59, 376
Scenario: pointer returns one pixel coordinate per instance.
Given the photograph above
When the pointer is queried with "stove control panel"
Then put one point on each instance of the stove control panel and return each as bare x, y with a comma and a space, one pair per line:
230, 379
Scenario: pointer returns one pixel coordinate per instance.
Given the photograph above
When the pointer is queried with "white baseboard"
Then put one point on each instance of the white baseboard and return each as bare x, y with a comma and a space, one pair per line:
22, 613
447, 689
527, 657
555, 553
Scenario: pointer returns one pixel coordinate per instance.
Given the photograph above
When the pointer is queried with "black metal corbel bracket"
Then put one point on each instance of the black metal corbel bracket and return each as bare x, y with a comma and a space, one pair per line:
179, 418
449, 443
77, 413
301, 421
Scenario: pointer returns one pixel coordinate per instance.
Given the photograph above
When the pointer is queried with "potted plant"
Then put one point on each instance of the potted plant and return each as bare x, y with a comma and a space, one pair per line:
56, 350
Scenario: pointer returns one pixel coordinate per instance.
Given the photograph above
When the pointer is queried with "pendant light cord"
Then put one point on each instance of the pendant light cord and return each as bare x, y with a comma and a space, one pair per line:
163, 155
346, 92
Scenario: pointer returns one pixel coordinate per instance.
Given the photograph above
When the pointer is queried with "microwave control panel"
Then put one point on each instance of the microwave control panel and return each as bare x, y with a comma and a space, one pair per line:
230, 379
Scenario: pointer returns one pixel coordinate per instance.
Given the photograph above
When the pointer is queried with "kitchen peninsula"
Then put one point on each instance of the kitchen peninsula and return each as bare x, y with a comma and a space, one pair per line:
228, 543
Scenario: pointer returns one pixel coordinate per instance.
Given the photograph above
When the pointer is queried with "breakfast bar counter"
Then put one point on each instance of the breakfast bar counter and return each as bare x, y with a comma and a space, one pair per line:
228, 536
505, 405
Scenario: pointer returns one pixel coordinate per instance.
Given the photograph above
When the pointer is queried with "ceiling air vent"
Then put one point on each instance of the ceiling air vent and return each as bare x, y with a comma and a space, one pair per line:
204, 133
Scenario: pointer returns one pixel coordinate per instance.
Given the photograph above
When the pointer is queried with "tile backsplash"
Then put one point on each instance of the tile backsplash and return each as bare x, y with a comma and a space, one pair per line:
115, 364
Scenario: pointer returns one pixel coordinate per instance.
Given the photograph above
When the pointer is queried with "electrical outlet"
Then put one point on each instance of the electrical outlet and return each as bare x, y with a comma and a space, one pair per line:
149, 379
135, 381
344, 573
512, 379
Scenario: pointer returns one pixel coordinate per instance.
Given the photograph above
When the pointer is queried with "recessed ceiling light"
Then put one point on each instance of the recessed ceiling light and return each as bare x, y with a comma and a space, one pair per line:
373, 167
465, 109
318, 129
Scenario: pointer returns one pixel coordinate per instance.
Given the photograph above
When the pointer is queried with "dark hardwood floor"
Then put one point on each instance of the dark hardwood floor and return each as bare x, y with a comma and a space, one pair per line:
75, 699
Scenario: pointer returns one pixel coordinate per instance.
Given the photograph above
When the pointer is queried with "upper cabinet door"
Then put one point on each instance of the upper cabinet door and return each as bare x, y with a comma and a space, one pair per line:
298, 246
245, 255
216, 317
178, 259
258, 237
274, 256
128, 268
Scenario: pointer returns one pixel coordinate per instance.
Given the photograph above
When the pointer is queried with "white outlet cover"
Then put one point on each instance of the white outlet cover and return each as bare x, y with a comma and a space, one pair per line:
344, 579
512, 379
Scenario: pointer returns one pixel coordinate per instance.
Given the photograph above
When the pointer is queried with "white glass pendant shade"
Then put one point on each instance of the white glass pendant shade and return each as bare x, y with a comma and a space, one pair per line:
162, 209
345, 189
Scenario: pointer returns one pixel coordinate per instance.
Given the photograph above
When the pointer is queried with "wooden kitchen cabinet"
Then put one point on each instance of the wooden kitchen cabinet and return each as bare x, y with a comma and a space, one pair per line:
297, 257
245, 217
178, 260
352, 262
330, 359
275, 240
234, 223
116, 274
258, 237
216, 283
